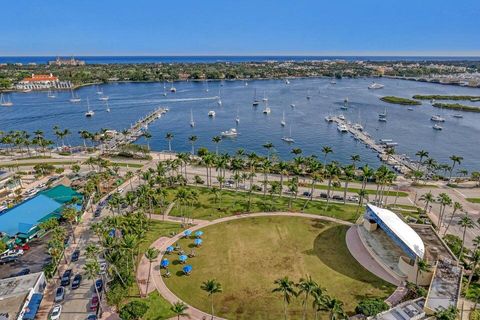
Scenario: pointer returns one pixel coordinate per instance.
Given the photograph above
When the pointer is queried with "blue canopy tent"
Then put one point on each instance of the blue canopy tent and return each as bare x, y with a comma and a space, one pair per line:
187, 269
164, 263
33, 306
169, 249
187, 233
199, 233
198, 242
183, 258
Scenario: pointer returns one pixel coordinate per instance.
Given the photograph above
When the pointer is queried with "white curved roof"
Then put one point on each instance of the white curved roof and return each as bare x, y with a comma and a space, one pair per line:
401, 229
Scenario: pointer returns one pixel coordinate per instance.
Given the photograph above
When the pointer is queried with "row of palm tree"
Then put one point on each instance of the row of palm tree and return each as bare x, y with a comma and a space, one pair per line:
307, 288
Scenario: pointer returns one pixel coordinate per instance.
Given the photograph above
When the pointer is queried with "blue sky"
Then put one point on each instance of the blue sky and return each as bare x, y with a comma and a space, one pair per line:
242, 27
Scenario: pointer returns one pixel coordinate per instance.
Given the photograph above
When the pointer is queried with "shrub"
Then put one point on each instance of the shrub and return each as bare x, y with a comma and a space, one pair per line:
133, 310
475, 315
371, 307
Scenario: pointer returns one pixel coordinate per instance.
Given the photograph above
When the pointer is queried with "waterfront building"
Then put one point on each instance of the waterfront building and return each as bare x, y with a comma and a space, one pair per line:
66, 62
42, 82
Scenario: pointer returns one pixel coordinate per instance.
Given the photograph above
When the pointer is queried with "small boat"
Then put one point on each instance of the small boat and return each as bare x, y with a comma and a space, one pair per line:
173, 89
287, 82
255, 100
50, 94
267, 110
27, 90
382, 117
292, 105
288, 139
436, 126
329, 119
457, 115
342, 128
333, 81
99, 90
74, 98
308, 95
385, 141
5, 102
357, 126
164, 89
108, 107
192, 123
237, 118
432, 101
265, 99
410, 109
437, 118
341, 117
375, 85
206, 83
89, 113
229, 133
103, 98
283, 123
211, 114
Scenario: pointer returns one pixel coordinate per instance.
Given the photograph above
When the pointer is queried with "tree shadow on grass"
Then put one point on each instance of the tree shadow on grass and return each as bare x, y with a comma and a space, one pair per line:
331, 248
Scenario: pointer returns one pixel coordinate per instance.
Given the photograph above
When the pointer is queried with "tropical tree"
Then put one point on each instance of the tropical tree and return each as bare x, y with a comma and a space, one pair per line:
305, 287
216, 140
269, 146
287, 288
70, 214
456, 206
179, 309
466, 223
455, 160
349, 172
422, 266
427, 198
421, 154
326, 150
169, 137
445, 201
211, 287
147, 135
192, 140
92, 269
151, 254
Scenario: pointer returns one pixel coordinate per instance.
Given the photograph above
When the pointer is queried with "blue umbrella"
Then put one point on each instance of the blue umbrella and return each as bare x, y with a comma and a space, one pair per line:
199, 233
198, 242
164, 263
187, 233
183, 258
187, 268
170, 249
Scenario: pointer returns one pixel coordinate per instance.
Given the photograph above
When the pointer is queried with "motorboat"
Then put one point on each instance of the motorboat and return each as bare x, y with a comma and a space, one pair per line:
292, 105
375, 85
436, 126
287, 82
457, 115
211, 114
267, 110
342, 128
329, 119
283, 123
103, 98
437, 118
229, 133
89, 113
357, 126
410, 109
382, 117
173, 89
192, 122
341, 117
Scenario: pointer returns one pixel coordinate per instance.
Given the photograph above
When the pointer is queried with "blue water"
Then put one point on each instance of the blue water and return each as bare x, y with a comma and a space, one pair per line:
129, 101
213, 59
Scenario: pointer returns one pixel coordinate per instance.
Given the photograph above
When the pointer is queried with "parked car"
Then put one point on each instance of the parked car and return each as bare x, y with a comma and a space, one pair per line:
75, 255
92, 317
99, 285
337, 197
8, 259
94, 303
307, 194
65, 281
23, 272
97, 212
353, 199
56, 312
76, 281
103, 268
59, 294
323, 195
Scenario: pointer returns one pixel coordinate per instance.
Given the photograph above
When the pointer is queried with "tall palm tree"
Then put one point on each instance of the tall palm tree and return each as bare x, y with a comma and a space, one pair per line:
319, 298
70, 214
216, 140
456, 206
169, 136
151, 254
362, 194
455, 160
147, 135
445, 201
335, 309
326, 150
92, 268
422, 266
427, 198
179, 309
475, 261
306, 286
349, 172
355, 158
269, 146
286, 288
211, 287
192, 140
466, 223
421, 154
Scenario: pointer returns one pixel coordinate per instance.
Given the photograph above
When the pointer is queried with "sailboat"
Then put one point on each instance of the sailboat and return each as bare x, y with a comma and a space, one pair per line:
266, 110
383, 116
5, 102
289, 139
108, 107
308, 95
283, 123
265, 99
173, 89
103, 97
89, 112
206, 82
287, 82
50, 94
219, 98
192, 123
99, 90
345, 104
255, 100
237, 118
74, 98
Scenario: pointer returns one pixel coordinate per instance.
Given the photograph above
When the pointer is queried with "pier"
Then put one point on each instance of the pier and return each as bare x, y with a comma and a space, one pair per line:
135, 131
400, 163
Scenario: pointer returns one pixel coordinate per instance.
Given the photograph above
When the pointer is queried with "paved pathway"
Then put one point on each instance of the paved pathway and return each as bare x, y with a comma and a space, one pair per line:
162, 243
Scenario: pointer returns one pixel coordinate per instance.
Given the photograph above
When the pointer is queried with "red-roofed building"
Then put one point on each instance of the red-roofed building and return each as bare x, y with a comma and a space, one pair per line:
42, 82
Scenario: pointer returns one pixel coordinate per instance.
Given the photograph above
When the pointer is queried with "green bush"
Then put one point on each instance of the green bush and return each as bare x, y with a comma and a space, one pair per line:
133, 310
475, 315
371, 307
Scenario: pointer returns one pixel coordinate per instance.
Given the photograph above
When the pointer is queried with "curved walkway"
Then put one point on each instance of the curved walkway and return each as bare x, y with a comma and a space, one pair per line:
161, 244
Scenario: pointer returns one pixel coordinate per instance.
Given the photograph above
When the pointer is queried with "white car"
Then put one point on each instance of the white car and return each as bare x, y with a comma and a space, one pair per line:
56, 312
103, 268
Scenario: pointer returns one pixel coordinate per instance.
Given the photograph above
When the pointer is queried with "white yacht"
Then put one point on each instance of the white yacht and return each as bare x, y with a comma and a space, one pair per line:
103, 98
267, 110
375, 85
329, 118
410, 109
283, 123
229, 133
192, 123
211, 114
288, 139
292, 105
89, 113
206, 83
74, 98
357, 126
265, 99
341, 117
255, 100
99, 90
436, 126
5, 102
287, 82
342, 128
173, 89
437, 118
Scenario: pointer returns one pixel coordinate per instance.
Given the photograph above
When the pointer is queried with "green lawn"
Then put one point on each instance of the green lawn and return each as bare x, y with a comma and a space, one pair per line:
32, 164
129, 165
473, 200
247, 255
236, 202
158, 307
356, 190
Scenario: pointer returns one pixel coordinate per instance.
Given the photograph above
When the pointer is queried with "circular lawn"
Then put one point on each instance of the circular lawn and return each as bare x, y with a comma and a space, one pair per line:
247, 255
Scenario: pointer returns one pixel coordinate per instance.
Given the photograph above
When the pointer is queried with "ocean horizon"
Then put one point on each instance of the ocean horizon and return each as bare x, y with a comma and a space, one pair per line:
223, 58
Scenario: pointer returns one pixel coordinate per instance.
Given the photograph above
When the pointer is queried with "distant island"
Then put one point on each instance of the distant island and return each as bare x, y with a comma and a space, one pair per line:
456, 106
446, 97
401, 101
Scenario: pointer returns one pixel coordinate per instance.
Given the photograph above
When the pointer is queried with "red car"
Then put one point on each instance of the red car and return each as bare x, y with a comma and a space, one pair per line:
94, 303
24, 247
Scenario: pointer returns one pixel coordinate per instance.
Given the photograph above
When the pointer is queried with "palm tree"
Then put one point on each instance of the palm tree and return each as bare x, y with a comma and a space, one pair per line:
192, 140
306, 287
362, 194
296, 151
326, 150
70, 214
421, 154
355, 158
335, 308
269, 146
474, 260
319, 296
151, 254
455, 159
286, 288
179, 309
466, 223
445, 201
211, 287
349, 172
169, 136
216, 140
422, 266
147, 135
456, 206
92, 269
427, 198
